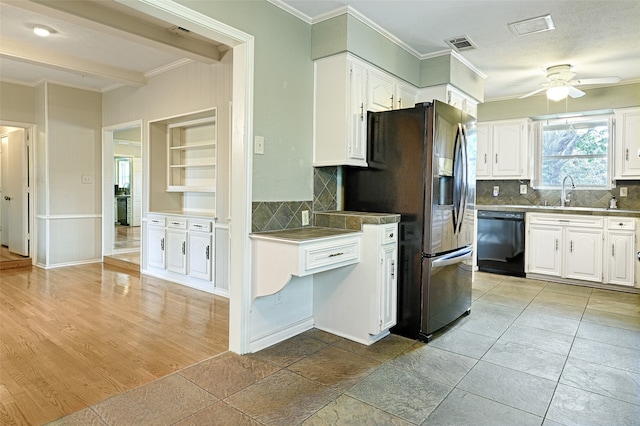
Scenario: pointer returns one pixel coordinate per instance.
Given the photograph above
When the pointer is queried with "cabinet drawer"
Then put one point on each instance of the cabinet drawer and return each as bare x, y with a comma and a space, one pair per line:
621, 223
200, 225
566, 220
390, 234
155, 220
319, 257
177, 223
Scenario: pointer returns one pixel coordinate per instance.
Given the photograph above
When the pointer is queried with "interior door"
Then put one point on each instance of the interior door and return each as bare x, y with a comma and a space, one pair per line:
17, 192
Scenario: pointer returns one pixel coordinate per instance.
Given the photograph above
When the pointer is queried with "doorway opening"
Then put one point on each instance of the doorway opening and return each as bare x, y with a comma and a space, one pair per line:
16, 203
122, 194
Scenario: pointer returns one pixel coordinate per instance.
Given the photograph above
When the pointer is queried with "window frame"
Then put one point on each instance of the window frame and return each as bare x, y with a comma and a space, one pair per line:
537, 131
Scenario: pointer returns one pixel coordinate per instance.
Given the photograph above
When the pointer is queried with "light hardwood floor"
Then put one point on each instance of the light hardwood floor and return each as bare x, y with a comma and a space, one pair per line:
10, 260
71, 337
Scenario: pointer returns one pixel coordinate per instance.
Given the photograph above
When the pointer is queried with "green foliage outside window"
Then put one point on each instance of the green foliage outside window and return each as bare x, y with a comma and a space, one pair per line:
579, 149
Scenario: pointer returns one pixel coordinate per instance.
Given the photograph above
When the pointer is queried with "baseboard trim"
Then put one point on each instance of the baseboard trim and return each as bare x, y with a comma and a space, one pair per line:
279, 335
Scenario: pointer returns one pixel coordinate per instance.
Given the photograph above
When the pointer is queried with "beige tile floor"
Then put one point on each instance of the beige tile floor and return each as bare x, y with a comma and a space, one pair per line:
530, 352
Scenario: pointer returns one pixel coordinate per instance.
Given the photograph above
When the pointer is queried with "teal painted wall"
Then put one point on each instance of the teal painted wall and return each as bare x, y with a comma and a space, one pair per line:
625, 95
283, 94
347, 33
435, 71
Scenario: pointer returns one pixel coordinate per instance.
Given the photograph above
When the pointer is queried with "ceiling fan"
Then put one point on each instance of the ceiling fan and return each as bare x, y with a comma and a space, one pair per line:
560, 83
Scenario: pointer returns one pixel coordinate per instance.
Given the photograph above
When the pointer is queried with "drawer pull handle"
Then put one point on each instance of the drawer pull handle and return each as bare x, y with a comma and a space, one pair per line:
207, 252
162, 244
613, 250
183, 247
336, 254
621, 224
391, 235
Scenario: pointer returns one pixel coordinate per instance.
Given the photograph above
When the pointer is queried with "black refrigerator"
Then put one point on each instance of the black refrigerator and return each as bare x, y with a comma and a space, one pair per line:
421, 164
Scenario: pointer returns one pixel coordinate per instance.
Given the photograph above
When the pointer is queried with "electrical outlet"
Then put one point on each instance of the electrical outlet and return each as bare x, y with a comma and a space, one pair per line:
523, 189
496, 191
259, 145
623, 191
86, 179
305, 217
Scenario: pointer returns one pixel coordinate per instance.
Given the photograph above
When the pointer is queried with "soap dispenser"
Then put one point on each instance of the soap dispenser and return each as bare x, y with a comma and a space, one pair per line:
613, 204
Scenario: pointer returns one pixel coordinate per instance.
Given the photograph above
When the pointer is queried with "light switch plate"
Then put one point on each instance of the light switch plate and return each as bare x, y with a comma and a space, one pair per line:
523, 189
87, 179
623, 191
259, 145
496, 191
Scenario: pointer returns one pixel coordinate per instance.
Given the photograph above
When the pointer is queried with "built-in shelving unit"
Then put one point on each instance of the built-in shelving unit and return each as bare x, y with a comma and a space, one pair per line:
192, 155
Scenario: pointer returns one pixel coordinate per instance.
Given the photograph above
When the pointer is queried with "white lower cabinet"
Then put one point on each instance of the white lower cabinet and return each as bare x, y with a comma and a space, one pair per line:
359, 302
177, 251
385, 301
543, 250
155, 246
583, 251
182, 249
200, 244
578, 247
620, 251
566, 246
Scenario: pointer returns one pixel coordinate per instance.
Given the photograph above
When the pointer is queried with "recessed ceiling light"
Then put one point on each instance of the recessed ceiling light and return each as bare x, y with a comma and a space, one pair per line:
532, 25
42, 31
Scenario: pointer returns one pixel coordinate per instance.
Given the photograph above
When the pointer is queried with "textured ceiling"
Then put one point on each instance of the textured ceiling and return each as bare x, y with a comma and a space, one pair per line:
599, 38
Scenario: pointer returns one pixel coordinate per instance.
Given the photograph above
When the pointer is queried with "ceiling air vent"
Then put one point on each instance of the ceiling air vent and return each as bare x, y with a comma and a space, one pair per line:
461, 43
532, 25
179, 30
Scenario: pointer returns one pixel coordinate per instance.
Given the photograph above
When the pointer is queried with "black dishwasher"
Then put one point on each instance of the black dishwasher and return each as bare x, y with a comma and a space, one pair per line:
501, 242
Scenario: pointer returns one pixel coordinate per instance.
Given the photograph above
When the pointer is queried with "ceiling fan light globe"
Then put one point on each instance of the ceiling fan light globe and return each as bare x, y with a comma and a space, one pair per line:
557, 93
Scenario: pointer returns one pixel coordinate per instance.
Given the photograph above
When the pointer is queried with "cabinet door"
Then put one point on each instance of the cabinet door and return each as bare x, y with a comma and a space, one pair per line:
356, 143
483, 151
405, 97
177, 251
388, 294
627, 143
619, 256
384, 312
583, 251
200, 253
544, 250
380, 92
507, 148
156, 246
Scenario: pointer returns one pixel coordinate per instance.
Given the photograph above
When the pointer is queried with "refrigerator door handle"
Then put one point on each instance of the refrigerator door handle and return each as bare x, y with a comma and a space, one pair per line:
460, 180
465, 181
452, 258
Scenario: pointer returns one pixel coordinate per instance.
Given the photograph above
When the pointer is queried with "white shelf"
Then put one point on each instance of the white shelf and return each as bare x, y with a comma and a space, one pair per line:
192, 154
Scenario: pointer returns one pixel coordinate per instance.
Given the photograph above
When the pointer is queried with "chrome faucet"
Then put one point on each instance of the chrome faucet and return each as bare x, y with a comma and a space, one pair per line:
566, 198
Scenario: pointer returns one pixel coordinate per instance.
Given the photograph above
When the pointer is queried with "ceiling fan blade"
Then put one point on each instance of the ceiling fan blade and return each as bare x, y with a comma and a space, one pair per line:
575, 93
533, 93
602, 80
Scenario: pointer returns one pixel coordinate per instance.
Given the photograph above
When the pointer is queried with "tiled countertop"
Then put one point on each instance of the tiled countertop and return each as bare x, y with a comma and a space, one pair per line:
561, 210
330, 224
353, 220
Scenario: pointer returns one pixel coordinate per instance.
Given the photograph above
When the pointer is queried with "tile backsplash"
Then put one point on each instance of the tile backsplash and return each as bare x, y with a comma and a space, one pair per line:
510, 194
277, 215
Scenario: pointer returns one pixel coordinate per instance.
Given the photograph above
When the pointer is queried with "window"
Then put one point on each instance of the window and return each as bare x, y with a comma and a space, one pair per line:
579, 147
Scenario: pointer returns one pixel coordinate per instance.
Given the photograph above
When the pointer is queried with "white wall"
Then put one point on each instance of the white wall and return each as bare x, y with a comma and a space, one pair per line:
67, 148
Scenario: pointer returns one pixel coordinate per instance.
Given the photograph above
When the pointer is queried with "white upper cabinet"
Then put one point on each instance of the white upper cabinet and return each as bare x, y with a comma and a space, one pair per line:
627, 144
380, 91
502, 147
450, 95
405, 96
345, 89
